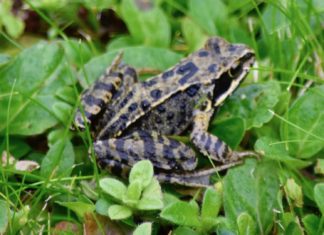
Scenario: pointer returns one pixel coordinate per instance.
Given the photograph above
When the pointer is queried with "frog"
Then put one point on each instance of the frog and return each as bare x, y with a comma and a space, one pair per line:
133, 120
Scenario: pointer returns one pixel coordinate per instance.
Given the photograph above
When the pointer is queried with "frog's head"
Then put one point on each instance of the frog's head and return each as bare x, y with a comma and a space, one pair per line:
234, 62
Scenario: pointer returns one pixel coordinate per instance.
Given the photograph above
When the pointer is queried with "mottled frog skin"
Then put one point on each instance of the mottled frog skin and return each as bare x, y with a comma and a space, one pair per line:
134, 120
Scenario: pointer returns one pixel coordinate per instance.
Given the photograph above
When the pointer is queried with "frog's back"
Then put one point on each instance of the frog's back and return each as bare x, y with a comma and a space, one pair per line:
170, 90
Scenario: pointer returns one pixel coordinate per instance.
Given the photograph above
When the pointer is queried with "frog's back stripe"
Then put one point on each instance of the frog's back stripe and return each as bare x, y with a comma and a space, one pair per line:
96, 97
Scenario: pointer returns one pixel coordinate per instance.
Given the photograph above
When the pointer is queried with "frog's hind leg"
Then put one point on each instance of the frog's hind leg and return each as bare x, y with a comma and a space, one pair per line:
211, 145
95, 99
164, 153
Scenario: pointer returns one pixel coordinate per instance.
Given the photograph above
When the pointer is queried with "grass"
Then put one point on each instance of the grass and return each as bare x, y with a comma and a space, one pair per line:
60, 48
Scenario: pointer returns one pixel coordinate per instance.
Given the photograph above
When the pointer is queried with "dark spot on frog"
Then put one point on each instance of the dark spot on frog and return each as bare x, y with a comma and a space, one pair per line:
188, 70
124, 117
105, 87
132, 107
170, 116
192, 91
217, 145
216, 48
212, 68
168, 153
149, 148
232, 48
158, 119
203, 53
174, 143
131, 72
150, 83
203, 137
145, 105
116, 168
91, 100
161, 108
208, 142
156, 94
126, 99
167, 74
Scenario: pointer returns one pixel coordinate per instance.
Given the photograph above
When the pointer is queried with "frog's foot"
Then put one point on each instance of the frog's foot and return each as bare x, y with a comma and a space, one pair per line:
199, 178
94, 100
163, 152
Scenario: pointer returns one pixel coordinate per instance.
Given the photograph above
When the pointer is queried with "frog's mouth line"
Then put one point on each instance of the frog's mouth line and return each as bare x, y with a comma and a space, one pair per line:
229, 81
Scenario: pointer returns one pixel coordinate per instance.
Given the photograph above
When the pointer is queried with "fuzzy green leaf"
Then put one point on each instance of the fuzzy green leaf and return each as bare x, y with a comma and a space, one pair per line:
246, 225
143, 229
142, 172
117, 212
182, 213
211, 203
133, 193
151, 197
113, 187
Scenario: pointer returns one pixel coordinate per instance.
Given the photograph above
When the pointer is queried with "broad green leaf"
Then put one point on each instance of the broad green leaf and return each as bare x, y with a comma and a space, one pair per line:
305, 131
139, 57
19, 219
206, 13
142, 172
32, 78
252, 103
148, 25
133, 193
151, 197
294, 229
182, 213
245, 224
274, 19
80, 208
193, 34
113, 187
211, 203
77, 52
143, 229
102, 206
59, 160
185, 231
311, 224
319, 196
62, 111
272, 149
230, 130
117, 212
253, 189
4, 212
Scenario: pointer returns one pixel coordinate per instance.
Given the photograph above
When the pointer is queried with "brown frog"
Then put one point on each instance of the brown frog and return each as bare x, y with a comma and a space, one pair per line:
134, 120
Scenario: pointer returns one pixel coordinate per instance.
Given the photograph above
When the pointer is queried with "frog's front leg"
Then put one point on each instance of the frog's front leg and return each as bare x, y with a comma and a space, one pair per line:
94, 100
164, 153
209, 144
